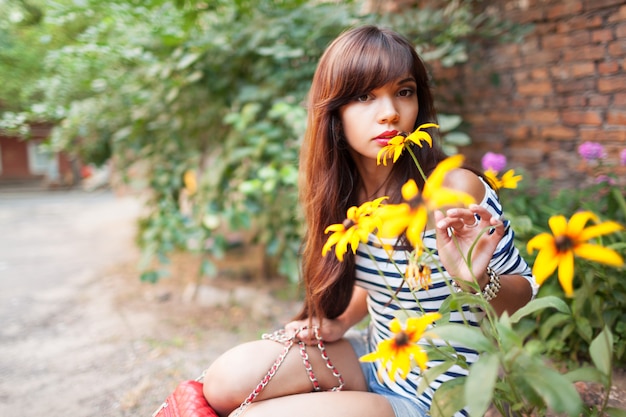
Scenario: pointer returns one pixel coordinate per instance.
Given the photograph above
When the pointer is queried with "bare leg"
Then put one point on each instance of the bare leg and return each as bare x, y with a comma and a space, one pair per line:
326, 404
231, 378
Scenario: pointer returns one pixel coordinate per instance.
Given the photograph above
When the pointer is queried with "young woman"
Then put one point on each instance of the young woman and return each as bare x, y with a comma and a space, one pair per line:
370, 85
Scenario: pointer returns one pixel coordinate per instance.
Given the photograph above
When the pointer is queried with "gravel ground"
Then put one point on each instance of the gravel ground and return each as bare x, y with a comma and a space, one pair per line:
80, 335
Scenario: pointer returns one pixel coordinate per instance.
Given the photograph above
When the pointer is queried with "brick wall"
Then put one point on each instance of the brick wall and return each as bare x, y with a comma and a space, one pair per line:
537, 100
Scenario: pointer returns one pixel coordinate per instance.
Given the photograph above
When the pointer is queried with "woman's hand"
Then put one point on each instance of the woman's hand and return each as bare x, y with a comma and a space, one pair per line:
331, 331
457, 231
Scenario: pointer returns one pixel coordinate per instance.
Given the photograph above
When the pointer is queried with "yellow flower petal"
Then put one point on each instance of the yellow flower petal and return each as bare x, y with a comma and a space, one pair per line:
446, 196
558, 225
418, 136
599, 254
395, 219
335, 228
540, 241
420, 357
416, 227
436, 178
566, 273
332, 240
416, 326
510, 180
578, 221
599, 230
545, 264
342, 246
395, 326
409, 190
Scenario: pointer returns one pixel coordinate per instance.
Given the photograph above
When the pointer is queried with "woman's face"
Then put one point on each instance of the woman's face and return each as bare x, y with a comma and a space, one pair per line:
369, 121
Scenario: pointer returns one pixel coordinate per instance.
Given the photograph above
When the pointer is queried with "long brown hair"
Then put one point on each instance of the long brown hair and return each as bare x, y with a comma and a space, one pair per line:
357, 62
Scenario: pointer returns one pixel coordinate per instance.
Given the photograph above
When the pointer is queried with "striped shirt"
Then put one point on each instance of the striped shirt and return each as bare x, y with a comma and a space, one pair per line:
389, 294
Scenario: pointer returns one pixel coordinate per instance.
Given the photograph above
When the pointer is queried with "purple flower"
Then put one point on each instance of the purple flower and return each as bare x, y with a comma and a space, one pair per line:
591, 151
600, 179
622, 157
493, 161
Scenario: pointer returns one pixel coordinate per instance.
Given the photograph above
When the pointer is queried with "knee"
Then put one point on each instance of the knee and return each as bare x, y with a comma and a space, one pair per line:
227, 382
221, 389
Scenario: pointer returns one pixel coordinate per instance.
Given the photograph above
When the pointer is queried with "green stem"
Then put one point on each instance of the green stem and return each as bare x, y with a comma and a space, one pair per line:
417, 164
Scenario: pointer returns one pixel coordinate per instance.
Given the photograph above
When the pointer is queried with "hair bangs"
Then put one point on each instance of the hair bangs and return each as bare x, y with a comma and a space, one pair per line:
372, 63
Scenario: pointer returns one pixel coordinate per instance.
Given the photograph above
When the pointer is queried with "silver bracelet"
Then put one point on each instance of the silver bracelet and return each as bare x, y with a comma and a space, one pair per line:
491, 289
493, 286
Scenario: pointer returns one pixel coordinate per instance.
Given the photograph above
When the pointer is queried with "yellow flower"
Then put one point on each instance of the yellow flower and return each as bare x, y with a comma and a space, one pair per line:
412, 215
418, 275
396, 353
397, 144
191, 184
357, 226
508, 180
569, 239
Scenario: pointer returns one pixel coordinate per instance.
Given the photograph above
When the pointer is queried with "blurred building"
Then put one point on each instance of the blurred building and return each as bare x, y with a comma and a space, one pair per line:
28, 163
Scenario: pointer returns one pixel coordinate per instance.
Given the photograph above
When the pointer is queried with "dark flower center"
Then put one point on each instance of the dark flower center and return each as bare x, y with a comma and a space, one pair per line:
416, 201
563, 243
401, 339
347, 223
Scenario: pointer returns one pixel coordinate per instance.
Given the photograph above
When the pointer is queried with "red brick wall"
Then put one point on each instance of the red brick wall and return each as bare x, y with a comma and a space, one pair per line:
537, 100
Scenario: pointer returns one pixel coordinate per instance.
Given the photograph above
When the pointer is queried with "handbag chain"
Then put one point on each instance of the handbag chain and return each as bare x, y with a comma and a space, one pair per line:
288, 341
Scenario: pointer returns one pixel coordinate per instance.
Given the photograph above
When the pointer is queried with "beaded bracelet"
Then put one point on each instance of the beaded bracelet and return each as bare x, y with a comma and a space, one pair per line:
491, 289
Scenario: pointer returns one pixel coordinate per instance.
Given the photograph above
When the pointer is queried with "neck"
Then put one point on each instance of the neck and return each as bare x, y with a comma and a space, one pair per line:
375, 183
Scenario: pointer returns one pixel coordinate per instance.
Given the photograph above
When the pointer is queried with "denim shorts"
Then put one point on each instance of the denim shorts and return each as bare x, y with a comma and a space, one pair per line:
402, 406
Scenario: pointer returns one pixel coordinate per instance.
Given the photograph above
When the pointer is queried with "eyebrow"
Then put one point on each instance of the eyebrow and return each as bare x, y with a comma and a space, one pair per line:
407, 80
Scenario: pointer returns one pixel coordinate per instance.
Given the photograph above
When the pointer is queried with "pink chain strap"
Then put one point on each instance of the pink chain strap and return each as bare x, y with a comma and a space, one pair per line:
281, 337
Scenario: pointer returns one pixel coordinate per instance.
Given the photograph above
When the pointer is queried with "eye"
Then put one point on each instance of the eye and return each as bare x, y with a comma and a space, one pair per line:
406, 92
362, 98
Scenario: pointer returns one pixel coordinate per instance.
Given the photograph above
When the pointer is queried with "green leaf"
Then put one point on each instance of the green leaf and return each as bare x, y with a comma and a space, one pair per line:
615, 412
583, 327
601, 351
471, 337
554, 321
150, 276
449, 122
431, 374
187, 60
457, 138
587, 373
448, 398
540, 304
555, 389
208, 268
480, 384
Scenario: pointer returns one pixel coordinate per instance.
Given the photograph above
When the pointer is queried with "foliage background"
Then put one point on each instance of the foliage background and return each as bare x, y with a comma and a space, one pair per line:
216, 89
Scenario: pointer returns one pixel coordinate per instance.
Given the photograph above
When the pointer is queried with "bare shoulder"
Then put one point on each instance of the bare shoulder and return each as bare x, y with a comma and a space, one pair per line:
465, 180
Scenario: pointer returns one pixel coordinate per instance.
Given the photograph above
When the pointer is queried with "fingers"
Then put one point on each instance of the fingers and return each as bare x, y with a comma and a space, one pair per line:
300, 329
475, 216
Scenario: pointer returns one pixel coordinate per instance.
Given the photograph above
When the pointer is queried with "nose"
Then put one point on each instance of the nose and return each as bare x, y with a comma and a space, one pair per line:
388, 113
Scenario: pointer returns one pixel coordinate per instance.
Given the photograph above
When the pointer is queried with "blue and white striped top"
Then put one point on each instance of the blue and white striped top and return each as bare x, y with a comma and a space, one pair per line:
383, 306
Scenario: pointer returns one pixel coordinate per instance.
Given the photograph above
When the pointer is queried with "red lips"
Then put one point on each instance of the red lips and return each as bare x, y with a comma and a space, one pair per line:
384, 138
387, 134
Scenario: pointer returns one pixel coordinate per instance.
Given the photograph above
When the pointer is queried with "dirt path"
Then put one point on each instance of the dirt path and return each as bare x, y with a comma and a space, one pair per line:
80, 335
